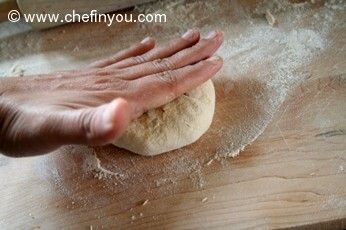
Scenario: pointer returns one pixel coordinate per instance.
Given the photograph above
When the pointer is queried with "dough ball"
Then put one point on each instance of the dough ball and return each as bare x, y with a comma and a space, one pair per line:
172, 126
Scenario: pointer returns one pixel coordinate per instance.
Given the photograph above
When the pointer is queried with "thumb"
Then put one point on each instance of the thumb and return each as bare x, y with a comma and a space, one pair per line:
95, 126
36, 132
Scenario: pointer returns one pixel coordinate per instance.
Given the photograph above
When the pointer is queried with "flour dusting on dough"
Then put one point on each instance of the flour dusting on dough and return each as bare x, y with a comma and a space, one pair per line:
172, 126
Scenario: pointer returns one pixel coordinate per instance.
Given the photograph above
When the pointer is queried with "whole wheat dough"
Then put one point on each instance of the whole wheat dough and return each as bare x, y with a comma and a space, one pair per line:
174, 125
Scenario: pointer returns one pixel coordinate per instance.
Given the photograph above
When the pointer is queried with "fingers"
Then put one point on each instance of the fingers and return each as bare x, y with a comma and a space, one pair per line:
158, 89
93, 126
203, 49
185, 41
135, 50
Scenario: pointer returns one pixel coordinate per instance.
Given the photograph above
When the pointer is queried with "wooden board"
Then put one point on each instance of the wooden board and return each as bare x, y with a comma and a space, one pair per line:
292, 176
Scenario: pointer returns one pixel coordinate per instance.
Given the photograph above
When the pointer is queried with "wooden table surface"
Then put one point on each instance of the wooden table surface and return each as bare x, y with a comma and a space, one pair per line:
293, 175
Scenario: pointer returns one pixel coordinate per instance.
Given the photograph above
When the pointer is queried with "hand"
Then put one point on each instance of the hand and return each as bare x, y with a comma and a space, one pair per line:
94, 105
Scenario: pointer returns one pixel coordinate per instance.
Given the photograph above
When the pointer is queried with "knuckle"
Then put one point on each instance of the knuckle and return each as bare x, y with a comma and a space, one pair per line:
173, 45
100, 73
163, 64
120, 84
169, 80
138, 59
111, 59
102, 81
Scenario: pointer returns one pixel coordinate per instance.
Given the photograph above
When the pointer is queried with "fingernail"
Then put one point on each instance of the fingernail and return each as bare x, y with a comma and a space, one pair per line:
211, 35
214, 58
145, 40
190, 34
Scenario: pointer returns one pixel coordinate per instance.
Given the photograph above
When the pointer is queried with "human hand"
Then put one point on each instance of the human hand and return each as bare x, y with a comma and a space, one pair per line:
94, 105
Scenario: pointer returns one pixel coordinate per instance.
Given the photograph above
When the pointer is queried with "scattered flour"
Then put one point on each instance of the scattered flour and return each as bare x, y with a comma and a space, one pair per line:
262, 64
93, 163
145, 202
270, 18
278, 54
336, 202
